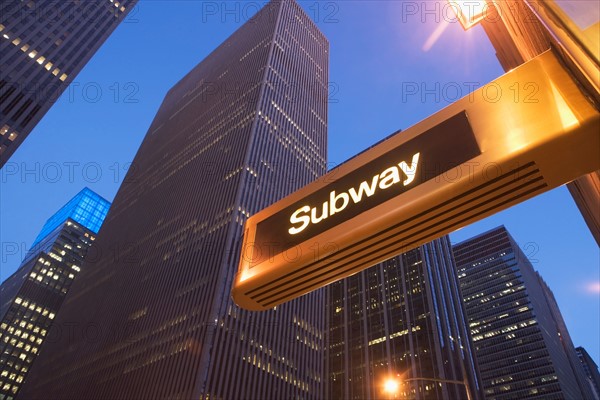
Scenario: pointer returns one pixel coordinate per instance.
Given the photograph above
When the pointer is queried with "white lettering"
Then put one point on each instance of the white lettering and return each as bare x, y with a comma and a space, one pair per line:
315, 219
364, 188
411, 171
386, 179
295, 219
389, 177
333, 202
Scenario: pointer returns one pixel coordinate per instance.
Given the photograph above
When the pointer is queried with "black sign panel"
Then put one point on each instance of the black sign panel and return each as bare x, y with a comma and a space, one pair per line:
436, 151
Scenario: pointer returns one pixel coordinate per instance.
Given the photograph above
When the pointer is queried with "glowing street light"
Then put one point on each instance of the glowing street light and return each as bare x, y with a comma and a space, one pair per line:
391, 386
469, 12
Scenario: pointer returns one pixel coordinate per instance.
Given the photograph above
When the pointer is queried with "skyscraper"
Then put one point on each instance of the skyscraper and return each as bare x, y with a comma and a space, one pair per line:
521, 349
244, 128
43, 46
591, 370
401, 319
32, 296
565, 340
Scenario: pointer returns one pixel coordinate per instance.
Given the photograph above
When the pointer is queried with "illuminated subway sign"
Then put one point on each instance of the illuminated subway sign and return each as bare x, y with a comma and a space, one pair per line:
438, 150
412, 187
304, 216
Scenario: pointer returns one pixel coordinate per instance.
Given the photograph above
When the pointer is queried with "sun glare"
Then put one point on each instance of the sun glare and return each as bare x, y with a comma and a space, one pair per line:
469, 12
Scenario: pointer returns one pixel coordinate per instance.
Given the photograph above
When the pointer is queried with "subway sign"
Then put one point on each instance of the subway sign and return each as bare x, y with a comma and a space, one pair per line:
439, 149
470, 160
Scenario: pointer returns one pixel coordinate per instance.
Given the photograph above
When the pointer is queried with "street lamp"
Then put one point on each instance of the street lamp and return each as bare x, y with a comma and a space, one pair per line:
469, 12
391, 386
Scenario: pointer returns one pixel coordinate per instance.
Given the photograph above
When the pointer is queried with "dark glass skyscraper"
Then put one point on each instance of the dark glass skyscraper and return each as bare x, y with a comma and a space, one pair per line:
32, 296
565, 340
521, 348
43, 46
402, 318
591, 370
244, 128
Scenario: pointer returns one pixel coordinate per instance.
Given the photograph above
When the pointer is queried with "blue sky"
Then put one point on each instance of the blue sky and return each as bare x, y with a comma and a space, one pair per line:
378, 50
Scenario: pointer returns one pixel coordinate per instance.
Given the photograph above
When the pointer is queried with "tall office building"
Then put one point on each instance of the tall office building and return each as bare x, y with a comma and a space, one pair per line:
591, 370
32, 296
401, 319
519, 336
244, 128
43, 46
566, 342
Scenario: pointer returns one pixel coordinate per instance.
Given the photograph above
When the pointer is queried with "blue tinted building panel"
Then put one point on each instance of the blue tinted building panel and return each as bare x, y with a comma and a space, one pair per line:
86, 208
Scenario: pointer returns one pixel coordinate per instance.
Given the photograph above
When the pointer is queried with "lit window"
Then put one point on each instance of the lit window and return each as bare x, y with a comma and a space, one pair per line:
33, 54
63, 77
12, 136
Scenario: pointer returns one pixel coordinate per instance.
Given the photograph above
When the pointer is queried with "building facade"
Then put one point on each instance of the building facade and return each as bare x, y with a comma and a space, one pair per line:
244, 128
520, 342
31, 298
43, 46
403, 320
565, 340
518, 35
591, 370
